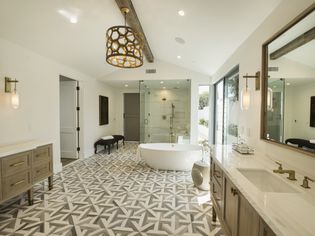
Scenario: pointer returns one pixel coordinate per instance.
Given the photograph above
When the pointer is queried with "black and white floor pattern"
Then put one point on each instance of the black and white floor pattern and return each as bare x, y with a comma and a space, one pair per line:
114, 194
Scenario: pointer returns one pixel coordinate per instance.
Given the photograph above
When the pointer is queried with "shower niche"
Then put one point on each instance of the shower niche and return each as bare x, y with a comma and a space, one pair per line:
164, 111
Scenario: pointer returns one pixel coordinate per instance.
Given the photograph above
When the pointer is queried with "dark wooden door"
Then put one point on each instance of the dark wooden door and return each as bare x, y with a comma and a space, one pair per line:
132, 116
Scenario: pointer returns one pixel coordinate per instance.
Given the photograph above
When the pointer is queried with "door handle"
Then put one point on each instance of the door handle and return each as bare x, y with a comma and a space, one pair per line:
234, 191
17, 164
17, 183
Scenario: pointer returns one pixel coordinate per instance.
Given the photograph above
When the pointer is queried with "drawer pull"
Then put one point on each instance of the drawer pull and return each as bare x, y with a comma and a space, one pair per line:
217, 174
17, 164
17, 183
234, 191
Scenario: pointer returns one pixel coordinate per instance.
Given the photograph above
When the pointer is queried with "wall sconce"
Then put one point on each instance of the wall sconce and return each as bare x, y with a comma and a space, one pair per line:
15, 99
245, 93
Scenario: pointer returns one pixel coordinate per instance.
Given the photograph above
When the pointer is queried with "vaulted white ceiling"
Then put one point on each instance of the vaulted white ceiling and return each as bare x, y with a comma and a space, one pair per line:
212, 30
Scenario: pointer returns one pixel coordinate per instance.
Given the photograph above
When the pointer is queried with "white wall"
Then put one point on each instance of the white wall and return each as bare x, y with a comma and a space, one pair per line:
297, 114
166, 71
248, 56
38, 115
291, 69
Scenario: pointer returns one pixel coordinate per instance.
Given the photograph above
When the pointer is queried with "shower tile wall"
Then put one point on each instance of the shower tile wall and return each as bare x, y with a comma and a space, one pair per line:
158, 107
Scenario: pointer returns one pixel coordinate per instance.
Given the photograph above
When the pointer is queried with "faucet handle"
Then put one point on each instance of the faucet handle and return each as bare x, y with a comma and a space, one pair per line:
305, 182
280, 165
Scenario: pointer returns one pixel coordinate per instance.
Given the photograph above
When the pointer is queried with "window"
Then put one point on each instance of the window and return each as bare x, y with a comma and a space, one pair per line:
227, 108
203, 113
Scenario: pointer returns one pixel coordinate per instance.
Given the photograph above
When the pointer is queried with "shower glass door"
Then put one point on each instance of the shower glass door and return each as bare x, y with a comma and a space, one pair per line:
164, 111
275, 113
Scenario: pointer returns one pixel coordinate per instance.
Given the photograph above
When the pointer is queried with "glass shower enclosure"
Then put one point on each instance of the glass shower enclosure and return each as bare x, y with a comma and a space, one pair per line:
275, 109
164, 111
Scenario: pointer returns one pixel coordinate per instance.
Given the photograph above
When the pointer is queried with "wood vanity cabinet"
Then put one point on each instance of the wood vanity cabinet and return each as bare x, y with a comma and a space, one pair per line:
264, 229
20, 171
42, 164
248, 219
230, 207
0, 184
237, 216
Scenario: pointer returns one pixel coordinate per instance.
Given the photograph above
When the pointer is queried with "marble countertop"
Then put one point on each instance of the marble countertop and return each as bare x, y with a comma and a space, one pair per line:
287, 214
11, 149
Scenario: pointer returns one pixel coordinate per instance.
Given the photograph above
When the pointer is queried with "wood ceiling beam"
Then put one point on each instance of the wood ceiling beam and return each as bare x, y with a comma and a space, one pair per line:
133, 21
295, 43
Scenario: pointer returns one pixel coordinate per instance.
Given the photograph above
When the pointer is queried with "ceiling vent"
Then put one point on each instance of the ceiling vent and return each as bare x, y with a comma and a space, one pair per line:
150, 71
273, 68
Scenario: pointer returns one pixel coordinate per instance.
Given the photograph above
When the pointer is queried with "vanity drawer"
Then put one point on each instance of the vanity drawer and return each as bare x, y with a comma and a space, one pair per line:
42, 154
42, 171
16, 184
16, 163
217, 173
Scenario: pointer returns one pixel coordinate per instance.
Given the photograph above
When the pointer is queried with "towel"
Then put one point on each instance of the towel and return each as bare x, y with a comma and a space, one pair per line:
107, 137
312, 141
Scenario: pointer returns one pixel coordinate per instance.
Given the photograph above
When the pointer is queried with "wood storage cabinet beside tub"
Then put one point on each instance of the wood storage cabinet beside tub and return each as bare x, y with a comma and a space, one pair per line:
20, 171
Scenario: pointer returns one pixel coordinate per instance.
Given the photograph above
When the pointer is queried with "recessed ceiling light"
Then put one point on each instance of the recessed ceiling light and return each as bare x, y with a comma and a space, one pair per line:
181, 12
72, 15
73, 20
179, 57
126, 85
164, 87
288, 83
162, 82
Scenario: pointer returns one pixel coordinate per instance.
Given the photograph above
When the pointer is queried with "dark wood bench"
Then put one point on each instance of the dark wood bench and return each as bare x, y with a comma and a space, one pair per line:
107, 143
117, 138
301, 143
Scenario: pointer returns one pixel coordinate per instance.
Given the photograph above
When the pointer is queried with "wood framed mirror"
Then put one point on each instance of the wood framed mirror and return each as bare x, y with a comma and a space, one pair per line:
288, 85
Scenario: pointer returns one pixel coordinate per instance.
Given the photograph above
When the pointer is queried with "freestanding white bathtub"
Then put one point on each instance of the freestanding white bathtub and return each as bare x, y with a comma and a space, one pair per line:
169, 156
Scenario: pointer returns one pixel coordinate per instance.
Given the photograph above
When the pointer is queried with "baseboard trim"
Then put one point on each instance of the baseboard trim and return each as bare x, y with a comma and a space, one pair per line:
57, 167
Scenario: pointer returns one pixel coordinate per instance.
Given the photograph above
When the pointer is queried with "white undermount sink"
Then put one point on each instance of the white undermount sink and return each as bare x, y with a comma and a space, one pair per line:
266, 181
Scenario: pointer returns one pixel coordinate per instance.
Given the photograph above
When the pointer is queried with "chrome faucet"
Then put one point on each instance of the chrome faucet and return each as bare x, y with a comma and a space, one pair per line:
280, 170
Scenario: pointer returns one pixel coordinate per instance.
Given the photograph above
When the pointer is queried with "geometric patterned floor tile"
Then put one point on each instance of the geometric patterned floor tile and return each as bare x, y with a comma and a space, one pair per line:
115, 194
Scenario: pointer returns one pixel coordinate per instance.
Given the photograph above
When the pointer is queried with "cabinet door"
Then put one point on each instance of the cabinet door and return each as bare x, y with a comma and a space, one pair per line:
248, 219
0, 183
264, 229
230, 207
